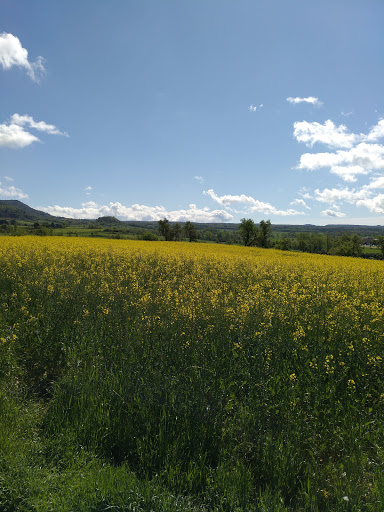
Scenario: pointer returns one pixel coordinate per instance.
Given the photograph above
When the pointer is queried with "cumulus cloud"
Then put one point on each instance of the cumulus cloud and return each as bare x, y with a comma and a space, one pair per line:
374, 204
334, 136
254, 204
13, 54
252, 108
358, 197
92, 210
327, 133
11, 191
361, 159
348, 173
334, 195
310, 99
362, 153
14, 135
376, 132
332, 213
376, 183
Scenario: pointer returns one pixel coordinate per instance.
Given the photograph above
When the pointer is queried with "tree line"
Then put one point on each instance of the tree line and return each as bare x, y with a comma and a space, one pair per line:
344, 245
177, 232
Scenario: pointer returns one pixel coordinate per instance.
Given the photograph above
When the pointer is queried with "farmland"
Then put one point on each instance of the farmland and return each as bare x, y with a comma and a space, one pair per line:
161, 376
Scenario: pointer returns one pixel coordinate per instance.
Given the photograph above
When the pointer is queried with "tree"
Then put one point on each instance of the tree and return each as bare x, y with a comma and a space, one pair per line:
177, 232
356, 245
190, 231
248, 232
380, 244
348, 245
265, 233
165, 230
284, 244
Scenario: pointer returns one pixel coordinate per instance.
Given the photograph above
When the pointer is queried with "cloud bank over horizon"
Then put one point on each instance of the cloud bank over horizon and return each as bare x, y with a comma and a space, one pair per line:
92, 210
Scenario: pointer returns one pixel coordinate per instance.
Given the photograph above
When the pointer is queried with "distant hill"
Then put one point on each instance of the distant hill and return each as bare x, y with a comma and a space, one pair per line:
16, 210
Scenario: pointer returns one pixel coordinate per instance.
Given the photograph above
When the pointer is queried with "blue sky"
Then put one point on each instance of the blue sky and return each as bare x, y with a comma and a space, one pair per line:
203, 110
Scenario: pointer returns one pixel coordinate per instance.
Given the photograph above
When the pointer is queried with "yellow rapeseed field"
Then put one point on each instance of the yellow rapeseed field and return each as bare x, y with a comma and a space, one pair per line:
231, 367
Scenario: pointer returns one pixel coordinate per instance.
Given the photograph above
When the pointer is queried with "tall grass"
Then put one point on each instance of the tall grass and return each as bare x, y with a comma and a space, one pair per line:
157, 376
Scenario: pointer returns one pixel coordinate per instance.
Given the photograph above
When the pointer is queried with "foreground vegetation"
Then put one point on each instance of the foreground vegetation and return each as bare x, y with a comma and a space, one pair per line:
175, 376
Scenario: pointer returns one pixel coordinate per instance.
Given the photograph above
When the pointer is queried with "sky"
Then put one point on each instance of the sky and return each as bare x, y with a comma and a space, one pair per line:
203, 110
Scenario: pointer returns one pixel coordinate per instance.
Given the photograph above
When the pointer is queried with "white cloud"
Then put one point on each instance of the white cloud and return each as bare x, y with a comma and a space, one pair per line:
13, 135
359, 197
13, 54
332, 213
200, 179
348, 173
92, 210
376, 132
361, 159
41, 126
334, 136
254, 204
333, 195
11, 191
376, 183
346, 114
327, 133
8, 178
374, 204
361, 156
300, 202
252, 108
310, 99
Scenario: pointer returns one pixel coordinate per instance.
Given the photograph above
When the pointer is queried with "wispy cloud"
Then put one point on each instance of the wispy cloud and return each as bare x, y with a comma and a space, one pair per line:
310, 99
14, 135
13, 54
200, 179
41, 126
11, 191
254, 204
92, 210
300, 202
253, 108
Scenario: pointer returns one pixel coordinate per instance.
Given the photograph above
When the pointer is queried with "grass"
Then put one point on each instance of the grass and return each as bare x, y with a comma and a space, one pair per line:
156, 376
